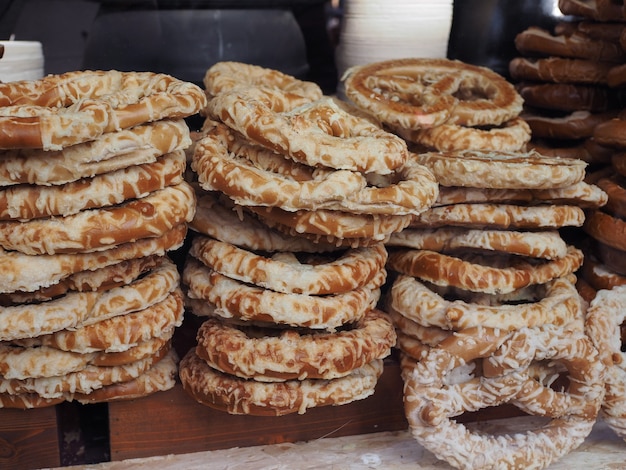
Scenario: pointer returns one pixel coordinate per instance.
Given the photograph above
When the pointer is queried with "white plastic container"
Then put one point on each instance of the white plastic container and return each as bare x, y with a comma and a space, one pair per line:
22, 60
373, 31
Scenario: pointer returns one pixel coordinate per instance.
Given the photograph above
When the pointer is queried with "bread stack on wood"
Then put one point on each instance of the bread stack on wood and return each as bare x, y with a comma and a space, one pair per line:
295, 196
93, 198
482, 284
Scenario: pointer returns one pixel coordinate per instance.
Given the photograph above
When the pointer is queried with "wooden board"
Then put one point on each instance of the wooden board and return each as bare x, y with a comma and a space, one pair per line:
29, 439
173, 423
397, 450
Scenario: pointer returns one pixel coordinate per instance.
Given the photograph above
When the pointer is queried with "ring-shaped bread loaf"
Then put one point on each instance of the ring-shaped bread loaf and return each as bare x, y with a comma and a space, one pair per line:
287, 354
488, 273
421, 93
62, 110
284, 272
234, 299
320, 133
250, 397
502, 170
556, 302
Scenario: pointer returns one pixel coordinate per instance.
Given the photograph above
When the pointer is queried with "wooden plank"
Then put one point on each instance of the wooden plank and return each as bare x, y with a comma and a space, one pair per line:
397, 450
29, 439
173, 423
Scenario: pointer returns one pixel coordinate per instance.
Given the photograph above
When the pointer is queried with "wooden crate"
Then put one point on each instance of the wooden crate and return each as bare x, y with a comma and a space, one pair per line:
29, 439
173, 423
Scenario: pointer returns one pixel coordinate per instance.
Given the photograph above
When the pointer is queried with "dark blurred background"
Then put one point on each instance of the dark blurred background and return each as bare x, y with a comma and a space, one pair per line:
185, 37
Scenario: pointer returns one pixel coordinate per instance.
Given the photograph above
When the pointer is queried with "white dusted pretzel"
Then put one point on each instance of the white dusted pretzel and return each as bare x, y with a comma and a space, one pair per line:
502, 169
285, 272
511, 136
28, 273
287, 354
250, 397
119, 333
547, 244
221, 168
573, 350
234, 299
110, 152
225, 76
76, 309
102, 228
422, 93
320, 133
603, 325
84, 380
431, 402
62, 110
489, 273
253, 176
502, 216
556, 302
25, 202
218, 217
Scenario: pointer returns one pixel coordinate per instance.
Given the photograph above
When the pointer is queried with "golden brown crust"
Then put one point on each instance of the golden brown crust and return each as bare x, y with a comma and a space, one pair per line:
500, 169
24, 202
510, 136
547, 244
62, 110
286, 354
225, 76
501, 216
616, 76
234, 299
284, 272
491, 274
444, 90
611, 133
599, 276
559, 70
616, 193
556, 302
27, 401
607, 229
597, 10
320, 133
570, 97
102, 228
536, 41
579, 124
613, 258
238, 396
28, 273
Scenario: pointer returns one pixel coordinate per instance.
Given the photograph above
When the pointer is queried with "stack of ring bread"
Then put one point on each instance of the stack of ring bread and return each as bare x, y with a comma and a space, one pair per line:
572, 79
297, 194
92, 199
483, 288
